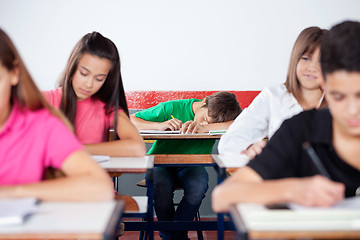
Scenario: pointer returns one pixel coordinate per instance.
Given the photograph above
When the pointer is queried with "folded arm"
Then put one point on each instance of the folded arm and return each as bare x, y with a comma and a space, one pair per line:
141, 124
84, 181
130, 143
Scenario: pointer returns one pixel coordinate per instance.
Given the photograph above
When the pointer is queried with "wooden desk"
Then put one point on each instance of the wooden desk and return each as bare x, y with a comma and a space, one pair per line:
330, 226
69, 220
183, 159
179, 136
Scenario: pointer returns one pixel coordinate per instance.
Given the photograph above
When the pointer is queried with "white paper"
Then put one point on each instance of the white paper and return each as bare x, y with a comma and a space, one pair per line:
14, 211
100, 158
159, 132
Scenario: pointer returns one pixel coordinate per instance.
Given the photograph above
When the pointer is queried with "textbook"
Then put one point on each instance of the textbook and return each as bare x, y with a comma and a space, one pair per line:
14, 211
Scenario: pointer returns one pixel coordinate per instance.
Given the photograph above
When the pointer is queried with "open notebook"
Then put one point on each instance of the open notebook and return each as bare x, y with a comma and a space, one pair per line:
159, 132
213, 132
14, 211
342, 216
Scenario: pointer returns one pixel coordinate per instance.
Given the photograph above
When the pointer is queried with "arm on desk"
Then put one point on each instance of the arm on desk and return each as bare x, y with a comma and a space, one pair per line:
141, 124
130, 143
246, 185
84, 181
195, 127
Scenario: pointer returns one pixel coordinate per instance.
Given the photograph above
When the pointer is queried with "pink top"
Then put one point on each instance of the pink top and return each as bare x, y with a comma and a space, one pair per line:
30, 141
92, 125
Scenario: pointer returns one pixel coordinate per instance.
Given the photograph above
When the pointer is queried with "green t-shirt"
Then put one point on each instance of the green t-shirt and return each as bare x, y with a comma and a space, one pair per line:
182, 110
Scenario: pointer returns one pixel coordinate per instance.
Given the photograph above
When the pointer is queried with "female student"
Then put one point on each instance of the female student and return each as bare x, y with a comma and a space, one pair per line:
33, 136
90, 94
284, 171
272, 106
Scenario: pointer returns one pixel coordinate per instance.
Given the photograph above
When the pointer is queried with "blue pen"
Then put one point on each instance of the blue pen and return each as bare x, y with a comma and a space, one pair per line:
315, 159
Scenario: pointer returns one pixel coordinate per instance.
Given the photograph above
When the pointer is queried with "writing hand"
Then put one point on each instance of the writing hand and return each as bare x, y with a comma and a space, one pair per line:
317, 191
172, 124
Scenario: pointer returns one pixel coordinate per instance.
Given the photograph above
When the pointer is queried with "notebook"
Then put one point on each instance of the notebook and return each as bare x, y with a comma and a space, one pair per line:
100, 158
159, 132
14, 211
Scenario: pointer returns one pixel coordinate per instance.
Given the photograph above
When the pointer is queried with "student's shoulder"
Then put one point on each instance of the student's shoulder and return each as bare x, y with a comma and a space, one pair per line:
53, 96
42, 119
309, 119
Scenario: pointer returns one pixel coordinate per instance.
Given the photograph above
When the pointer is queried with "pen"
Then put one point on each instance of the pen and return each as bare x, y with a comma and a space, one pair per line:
172, 116
315, 159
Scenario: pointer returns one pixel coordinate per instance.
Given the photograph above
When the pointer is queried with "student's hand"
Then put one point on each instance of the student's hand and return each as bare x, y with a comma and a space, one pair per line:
172, 124
192, 127
255, 149
317, 191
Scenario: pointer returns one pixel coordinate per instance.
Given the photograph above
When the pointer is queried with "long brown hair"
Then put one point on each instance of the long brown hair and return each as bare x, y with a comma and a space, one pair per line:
111, 93
307, 42
25, 92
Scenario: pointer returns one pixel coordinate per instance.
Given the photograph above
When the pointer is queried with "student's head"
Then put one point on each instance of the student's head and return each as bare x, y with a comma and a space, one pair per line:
304, 70
340, 63
93, 70
16, 84
218, 107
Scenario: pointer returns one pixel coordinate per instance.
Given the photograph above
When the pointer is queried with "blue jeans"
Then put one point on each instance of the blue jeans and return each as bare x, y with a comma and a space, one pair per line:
194, 181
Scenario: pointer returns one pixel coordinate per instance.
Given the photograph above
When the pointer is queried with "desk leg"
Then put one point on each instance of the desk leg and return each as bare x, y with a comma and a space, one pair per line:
220, 217
115, 180
150, 211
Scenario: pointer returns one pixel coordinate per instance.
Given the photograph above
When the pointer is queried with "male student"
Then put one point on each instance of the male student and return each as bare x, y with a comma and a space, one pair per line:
214, 112
284, 171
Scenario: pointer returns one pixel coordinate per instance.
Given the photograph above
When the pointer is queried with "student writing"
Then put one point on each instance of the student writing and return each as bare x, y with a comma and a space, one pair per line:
284, 172
34, 136
272, 106
91, 92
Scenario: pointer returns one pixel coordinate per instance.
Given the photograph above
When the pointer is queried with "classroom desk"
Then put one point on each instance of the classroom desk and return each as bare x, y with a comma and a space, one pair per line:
69, 220
179, 136
326, 227
116, 166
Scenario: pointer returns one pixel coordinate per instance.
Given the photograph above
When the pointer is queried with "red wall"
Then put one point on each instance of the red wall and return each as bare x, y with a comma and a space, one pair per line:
146, 99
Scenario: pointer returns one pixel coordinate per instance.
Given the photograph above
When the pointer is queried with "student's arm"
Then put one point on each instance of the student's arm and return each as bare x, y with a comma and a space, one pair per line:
251, 126
246, 185
141, 124
130, 143
195, 127
84, 181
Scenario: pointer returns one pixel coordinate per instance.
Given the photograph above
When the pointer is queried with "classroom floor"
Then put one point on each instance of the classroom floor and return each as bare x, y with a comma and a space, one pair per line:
208, 235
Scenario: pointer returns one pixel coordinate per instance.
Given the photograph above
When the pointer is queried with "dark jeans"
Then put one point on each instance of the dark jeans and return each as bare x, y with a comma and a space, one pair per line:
194, 181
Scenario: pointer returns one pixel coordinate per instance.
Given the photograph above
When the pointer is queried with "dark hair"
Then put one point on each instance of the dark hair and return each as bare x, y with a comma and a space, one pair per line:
308, 40
25, 92
111, 93
341, 48
222, 106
